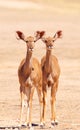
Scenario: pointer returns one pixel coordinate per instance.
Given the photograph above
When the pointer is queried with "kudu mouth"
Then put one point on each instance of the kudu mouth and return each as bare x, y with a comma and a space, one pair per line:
50, 47
31, 49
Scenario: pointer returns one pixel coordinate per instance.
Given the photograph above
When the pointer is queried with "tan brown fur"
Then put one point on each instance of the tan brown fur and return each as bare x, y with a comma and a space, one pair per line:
50, 76
30, 76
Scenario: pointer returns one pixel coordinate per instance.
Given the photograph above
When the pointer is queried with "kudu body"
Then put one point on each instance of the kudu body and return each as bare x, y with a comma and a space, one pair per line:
50, 76
30, 76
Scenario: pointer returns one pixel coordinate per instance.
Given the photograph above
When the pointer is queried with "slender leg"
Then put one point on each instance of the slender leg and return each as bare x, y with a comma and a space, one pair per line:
44, 102
53, 100
30, 105
22, 92
40, 96
29, 94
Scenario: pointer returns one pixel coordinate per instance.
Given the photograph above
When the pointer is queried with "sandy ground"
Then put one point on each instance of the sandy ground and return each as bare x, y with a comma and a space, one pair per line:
67, 50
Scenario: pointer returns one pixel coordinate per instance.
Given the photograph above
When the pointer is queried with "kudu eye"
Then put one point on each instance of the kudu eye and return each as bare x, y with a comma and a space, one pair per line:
45, 41
34, 40
53, 40
26, 41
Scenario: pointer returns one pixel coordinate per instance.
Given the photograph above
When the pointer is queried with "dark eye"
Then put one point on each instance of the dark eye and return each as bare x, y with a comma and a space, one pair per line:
26, 41
45, 41
53, 40
34, 40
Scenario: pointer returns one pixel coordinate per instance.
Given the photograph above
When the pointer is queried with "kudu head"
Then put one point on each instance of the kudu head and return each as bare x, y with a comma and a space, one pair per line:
30, 40
49, 41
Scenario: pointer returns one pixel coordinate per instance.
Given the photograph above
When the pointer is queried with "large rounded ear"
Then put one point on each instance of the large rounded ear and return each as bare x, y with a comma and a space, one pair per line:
20, 35
39, 35
42, 33
58, 34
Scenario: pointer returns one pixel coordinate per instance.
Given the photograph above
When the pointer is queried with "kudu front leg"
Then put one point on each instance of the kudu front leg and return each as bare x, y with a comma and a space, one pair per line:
30, 92
22, 90
53, 107
44, 105
40, 96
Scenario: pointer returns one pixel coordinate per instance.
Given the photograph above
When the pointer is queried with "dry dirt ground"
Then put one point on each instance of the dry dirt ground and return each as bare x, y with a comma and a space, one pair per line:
40, 17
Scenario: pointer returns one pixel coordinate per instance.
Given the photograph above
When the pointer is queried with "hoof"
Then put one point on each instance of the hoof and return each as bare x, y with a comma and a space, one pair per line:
53, 123
42, 125
56, 122
30, 127
23, 126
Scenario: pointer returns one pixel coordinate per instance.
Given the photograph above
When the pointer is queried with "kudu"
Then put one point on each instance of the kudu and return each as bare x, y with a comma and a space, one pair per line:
50, 76
30, 76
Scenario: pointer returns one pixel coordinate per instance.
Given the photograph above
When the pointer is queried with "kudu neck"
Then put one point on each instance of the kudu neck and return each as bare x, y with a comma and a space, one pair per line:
28, 64
48, 61
48, 54
28, 56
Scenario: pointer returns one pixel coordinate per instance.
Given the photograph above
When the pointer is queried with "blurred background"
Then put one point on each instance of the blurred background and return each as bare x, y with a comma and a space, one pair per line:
29, 16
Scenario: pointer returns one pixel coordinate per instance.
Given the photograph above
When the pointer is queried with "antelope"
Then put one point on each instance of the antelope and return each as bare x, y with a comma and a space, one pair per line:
30, 76
50, 76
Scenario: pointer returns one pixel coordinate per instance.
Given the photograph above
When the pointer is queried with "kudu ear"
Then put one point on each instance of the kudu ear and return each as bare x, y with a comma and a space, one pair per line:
58, 35
39, 35
20, 35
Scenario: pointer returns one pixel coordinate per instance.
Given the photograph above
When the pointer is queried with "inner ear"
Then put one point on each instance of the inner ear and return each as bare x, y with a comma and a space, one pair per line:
39, 35
59, 33
20, 35
42, 33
